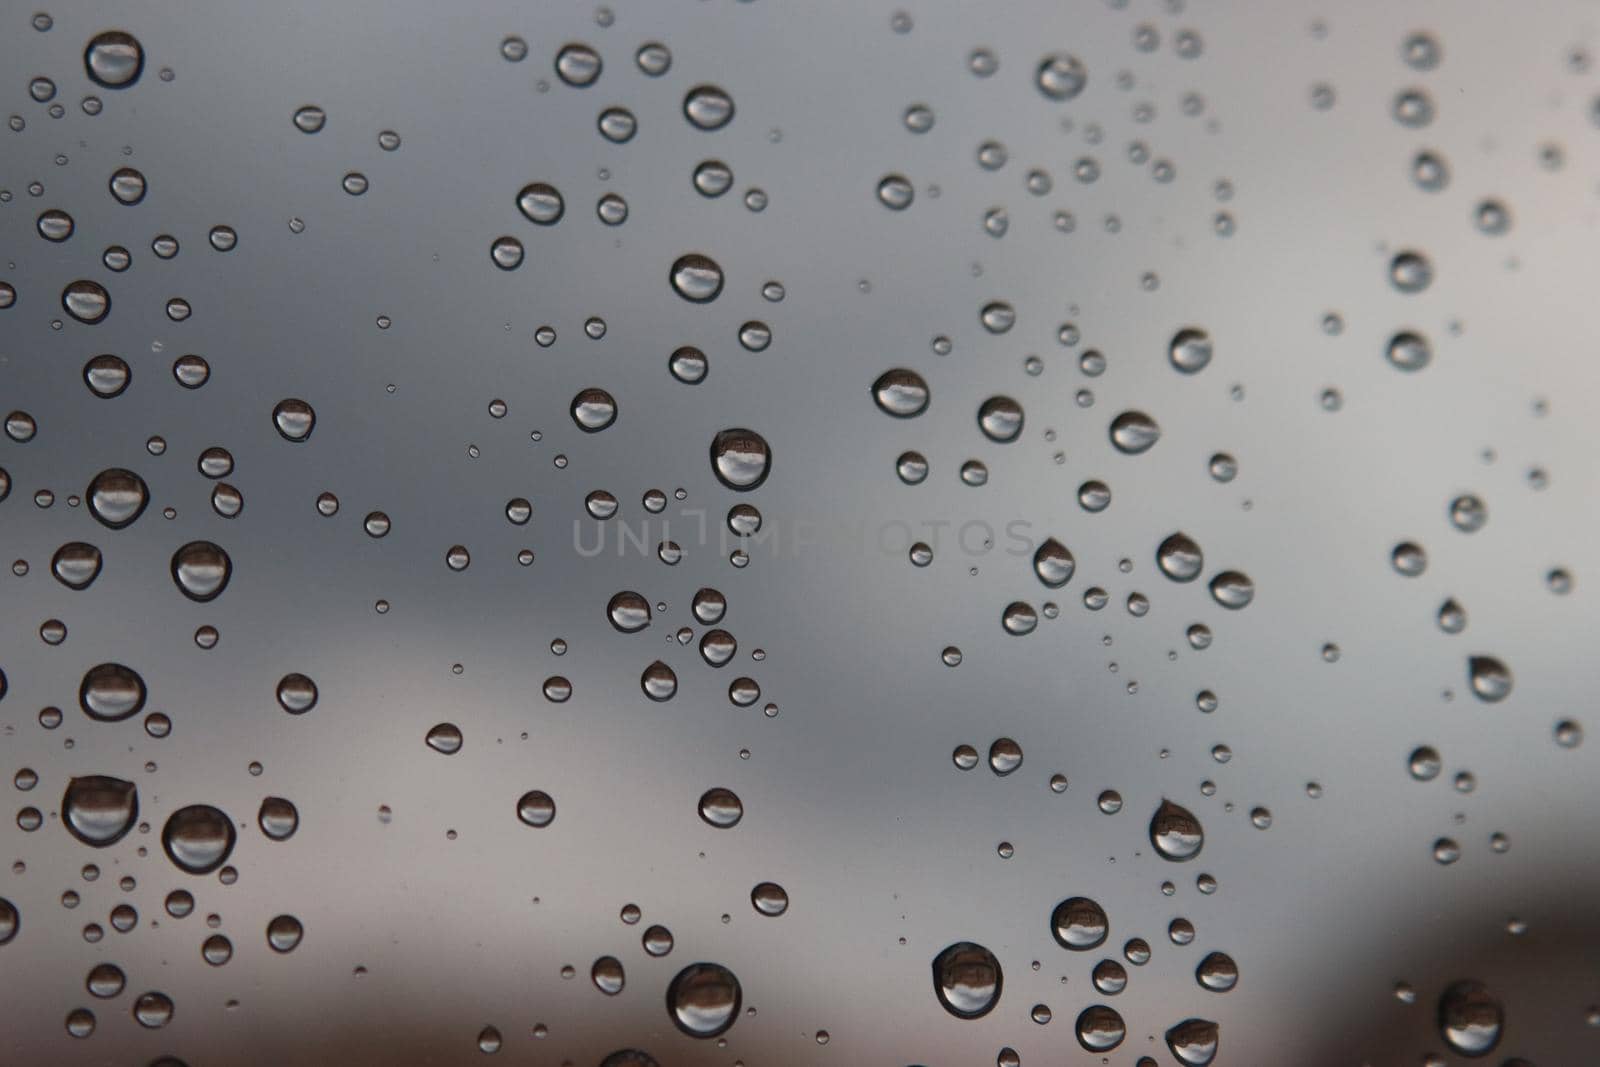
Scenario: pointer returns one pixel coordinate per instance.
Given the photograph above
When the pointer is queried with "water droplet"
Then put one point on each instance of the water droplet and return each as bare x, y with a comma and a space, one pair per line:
86, 301
444, 738
297, 694
1019, 618
1194, 1042
895, 192
1005, 756
1190, 350
284, 933
712, 178
770, 899
278, 818
740, 458
153, 1010
607, 975
1079, 924
1424, 763
1133, 432
653, 58
1470, 1019
536, 808
506, 252
310, 119
578, 65
1100, 1028
967, 980
658, 681
541, 203
198, 838
1000, 419
1061, 76
1446, 852
1409, 351
76, 565
1568, 733
708, 107
703, 1000
721, 808
1180, 558
697, 278
201, 570
1233, 590
629, 612
114, 59
1409, 559
111, 692
688, 364
593, 410
1217, 972
1109, 977
1468, 513
1175, 832
294, 419
99, 810
1490, 678
900, 392
1410, 272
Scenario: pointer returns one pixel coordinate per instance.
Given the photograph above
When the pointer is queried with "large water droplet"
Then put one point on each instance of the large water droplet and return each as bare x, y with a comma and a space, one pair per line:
721, 808
1470, 1018
708, 107
86, 301
294, 419
900, 392
1180, 558
76, 564
111, 692
114, 59
201, 570
1061, 76
541, 203
629, 612
703, 999
536, 808
1100, 1028
1134, 432
1490, 678
99, 810
1053, 563
1175, 832
1194, 1042
578, 65
696, 278
1217, 972
1233, 590
117, 497
1079, 924
770, 899
593, 410
1190, 350
659, 681
740, 458
444, 738
1000, 419
198, 838
967, 980
278, 818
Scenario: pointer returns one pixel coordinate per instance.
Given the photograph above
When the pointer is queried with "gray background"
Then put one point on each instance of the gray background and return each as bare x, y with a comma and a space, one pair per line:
851, 800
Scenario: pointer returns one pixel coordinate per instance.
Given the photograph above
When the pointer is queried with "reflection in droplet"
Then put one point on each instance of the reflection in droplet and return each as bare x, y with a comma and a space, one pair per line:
98, 810
198, 838
696, 278
541, 203
1194, 1042
593, 410
1217, 972
1175, 832
607, 975
294, 419
284, 933
1470, 1019
76, 564
111, 692
1100, 1028
86, 301
770, 899
967, 980
900, 392
1180, 558
444, 738
1490, 678
1000, 419
1190, 350
707, 107
114, 59
1080, 924
740, 458
1134, 432
201, 570
721, 808
658, 681
703, 999
278, 818
578, 65
1233, 590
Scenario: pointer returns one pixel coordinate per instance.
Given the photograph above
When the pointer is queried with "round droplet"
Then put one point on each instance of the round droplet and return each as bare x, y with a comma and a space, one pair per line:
1410, 272
1470, 1018
294, 419
1217, 972
1233, 590
1409, 351
76, 565
709, 606
708, 107
607, 975
297, 694
1061, 76
721, 808
1109, 977
770, 899
658, 681
1134, 432
86, 301
1490, 678
712, 178
506, 251
1000, 419
696, 278
593, 410
201, 570
1468, 513
278, 818
895, 192
1080, 924
114, 59
541, 203
1005, 756
740, 458
967, 980
310, 118
111, 692
106, 376
536, 808
1175, 832
578, 65
1019, 618
284, 933
1424, 763
1194, 1042
629, 612
688, 364
99, 810
444, 738
1180, 558
1409, 559
703, 999
198, 838
153, 1010
900, 392
1100, 1028
1190, 350
128, 186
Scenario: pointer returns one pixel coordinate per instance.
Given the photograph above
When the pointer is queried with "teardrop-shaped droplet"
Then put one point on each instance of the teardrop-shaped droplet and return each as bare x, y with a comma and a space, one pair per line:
1217, 972
659, 681
1490, 678
703, 999
98, 810
1194, 1042
1053, 563
1190, 350
1175, 832
444, 738
740, 458
967, 980
198, 838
